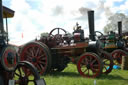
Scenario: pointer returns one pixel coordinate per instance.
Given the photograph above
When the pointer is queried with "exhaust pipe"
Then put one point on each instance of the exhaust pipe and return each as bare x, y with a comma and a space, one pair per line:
1, 17
91, 25
120, 28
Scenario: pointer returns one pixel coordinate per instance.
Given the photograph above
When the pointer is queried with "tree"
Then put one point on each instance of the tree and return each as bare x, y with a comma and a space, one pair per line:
113, 22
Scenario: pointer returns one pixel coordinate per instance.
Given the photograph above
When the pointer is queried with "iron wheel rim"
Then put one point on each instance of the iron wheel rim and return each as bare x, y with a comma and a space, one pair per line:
117, 55
25, 74
40, 61
93, 60
107, 62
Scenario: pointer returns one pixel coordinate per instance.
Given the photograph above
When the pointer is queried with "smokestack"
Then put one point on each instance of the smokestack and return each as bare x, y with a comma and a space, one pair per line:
91, 25
1, 17
120, 28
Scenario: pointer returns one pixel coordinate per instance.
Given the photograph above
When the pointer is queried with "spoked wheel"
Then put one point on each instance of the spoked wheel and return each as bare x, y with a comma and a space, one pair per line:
49, 55
38, 55
117, 55
107, 62
89, 65
26, 74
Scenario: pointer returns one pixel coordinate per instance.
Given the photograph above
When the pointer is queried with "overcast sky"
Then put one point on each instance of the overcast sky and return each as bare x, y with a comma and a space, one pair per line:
33, 17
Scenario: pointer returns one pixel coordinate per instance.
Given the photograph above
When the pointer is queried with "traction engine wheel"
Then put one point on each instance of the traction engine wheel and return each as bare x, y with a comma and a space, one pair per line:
89, 65
117, 55
49, 55
107, 62
26, 74
38, 55
9, 58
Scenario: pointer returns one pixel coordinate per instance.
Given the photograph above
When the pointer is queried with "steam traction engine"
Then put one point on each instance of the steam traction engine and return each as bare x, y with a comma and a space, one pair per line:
55, 51
114, 43
13, 72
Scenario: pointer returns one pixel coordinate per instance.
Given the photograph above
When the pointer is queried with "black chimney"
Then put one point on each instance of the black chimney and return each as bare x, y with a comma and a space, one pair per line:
1, 17
91, 25
120, 28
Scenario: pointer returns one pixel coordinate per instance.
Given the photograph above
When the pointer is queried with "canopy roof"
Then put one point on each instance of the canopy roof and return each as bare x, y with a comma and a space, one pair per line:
7, 13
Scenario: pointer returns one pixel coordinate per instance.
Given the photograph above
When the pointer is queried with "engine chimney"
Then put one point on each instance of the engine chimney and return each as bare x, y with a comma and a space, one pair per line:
1, 17
120, 28
91, 25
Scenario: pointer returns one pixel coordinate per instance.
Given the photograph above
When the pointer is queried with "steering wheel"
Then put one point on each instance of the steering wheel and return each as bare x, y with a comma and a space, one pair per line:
58, 36
100, 36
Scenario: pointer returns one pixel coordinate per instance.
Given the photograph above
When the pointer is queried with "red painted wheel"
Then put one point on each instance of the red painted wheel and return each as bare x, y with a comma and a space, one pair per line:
117, 55
28, 77
107, 62
49, 55
89, 65
9, 58
38, 55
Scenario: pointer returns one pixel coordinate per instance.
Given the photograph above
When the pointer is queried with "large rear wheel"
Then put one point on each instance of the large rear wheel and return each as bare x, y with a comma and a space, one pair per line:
38, 55
117, 56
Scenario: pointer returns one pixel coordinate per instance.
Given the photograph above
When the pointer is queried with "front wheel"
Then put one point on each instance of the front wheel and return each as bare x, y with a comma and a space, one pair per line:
89, 65
107, 61
38, 54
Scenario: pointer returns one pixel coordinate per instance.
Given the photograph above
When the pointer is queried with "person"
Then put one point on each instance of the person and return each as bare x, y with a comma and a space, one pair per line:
79, 31
112, 36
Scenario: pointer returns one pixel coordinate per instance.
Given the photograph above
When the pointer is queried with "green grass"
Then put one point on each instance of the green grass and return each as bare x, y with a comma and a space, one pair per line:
70, 76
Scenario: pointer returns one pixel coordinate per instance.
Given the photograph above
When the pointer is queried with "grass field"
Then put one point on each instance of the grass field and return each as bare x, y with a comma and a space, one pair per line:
70, 76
